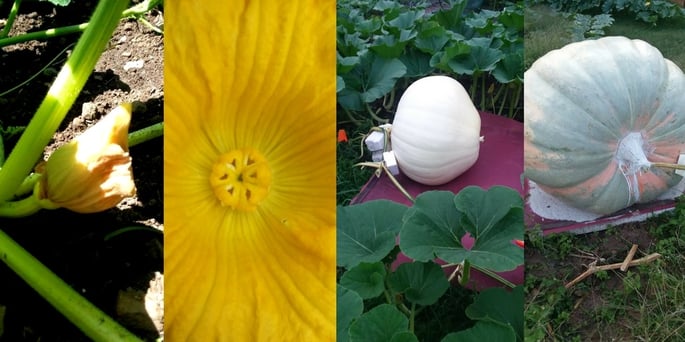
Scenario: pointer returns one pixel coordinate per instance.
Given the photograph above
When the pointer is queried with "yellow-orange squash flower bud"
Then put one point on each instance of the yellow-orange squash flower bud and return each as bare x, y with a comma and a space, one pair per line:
92, 172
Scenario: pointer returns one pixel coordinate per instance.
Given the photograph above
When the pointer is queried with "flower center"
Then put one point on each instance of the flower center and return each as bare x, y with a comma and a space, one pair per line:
241, 179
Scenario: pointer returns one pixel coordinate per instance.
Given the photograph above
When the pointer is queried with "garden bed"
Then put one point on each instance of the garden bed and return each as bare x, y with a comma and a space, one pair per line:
119, 270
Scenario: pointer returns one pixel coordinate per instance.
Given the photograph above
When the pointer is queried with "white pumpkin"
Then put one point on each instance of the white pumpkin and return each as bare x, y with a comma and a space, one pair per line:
436, 131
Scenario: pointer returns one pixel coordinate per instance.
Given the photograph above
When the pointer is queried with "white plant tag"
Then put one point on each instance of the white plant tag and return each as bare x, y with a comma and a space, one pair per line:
681, 161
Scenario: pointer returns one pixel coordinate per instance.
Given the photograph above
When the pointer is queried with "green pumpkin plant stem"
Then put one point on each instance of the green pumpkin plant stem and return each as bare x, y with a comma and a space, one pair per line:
136, 11
30, 205
10, 18
61, 95
92, 321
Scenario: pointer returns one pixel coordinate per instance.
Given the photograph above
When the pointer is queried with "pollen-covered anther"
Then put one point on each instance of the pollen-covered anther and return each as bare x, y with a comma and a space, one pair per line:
241, 179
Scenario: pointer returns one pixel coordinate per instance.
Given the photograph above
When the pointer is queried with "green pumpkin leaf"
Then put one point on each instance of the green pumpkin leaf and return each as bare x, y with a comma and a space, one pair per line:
379, 324
493, 218
431, 227
451, 18
372, 78
388, 46
417, 63
387, 6
436, 224
499, 306
484, 55
368, 26
512, 18
404, 336
509, 68
350, 99
367, 279
422, 283
485, 209
345, 64
57, 2
350, 44
483, 331
339, 84
431, 38
443, 59
406, 20
349, 306
367, 231
483, 20
381, 78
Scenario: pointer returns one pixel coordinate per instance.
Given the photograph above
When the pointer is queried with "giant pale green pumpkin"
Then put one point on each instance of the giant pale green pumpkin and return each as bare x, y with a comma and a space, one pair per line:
598, 115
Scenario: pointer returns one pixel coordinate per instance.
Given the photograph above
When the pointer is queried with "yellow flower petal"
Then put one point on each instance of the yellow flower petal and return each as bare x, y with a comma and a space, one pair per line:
252, 76
93, 172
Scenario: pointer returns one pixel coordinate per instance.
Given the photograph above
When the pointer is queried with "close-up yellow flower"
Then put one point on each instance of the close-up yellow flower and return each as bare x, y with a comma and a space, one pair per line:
249, 168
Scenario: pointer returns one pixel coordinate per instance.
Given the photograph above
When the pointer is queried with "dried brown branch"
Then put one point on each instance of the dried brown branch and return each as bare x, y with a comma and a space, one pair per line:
629, 258
592, 269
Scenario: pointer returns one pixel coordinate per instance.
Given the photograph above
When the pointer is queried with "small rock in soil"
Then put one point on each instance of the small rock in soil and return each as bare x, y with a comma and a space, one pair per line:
134, 65
88, 110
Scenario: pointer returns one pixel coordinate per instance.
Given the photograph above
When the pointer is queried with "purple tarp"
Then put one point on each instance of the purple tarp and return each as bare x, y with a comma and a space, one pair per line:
500, 162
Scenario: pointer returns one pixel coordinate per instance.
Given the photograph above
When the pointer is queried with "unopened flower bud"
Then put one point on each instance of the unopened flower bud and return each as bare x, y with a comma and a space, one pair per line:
92, 172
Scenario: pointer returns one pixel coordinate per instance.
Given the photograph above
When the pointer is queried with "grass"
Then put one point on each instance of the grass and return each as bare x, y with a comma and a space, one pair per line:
668, 36
544, 30
349, 178
547, 30
645, 303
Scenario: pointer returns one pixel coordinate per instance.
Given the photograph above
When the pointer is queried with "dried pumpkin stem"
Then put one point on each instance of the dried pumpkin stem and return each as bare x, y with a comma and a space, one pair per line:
352, 118
381, 167
669, 166
465, 269
495, 276
374, 115
397, 184
592, 269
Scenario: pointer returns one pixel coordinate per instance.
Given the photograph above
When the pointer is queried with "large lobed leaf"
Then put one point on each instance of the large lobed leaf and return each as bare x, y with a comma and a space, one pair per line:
438, 221
367, 231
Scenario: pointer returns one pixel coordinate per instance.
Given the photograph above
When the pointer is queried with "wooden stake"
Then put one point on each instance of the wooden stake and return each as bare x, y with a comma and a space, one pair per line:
629, 258
594, 269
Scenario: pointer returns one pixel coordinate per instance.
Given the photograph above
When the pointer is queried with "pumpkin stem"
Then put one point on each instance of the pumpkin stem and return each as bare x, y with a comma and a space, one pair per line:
381, 166
669, 166
397, 184
374, 115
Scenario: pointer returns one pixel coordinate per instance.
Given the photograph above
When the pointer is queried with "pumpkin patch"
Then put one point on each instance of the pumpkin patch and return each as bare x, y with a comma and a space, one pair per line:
601, 118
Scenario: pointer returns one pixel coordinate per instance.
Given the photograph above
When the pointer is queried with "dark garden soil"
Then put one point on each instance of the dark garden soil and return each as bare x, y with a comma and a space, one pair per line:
118, 270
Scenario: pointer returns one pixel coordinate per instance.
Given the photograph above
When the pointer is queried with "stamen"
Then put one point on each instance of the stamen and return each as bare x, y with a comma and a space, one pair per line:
241, 179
